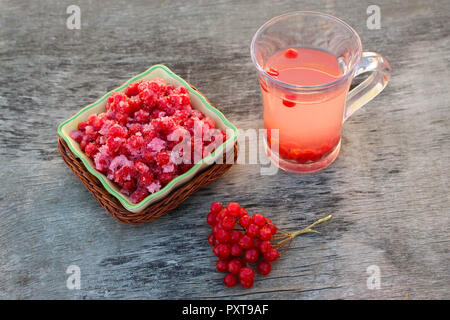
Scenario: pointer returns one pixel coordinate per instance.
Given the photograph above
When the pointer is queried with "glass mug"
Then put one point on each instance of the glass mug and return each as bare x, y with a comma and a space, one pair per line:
309, 116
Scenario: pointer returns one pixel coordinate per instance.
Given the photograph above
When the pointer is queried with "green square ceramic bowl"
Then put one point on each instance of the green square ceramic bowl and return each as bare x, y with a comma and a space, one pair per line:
198, 102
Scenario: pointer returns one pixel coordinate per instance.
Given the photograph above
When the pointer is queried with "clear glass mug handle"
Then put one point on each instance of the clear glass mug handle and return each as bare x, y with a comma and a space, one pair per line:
372, 86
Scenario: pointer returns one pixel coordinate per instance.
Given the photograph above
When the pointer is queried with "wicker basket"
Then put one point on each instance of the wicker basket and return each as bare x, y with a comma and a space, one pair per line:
155, 210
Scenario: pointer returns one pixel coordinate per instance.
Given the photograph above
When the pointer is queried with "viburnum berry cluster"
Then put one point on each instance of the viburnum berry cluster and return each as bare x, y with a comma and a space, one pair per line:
134, 141
241, 241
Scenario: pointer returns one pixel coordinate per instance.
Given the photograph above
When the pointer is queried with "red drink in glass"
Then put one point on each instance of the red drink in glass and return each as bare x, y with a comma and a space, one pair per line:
305, 63
309, 128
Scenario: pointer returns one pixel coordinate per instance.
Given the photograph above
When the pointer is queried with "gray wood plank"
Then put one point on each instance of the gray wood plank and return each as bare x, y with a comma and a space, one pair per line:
388, 190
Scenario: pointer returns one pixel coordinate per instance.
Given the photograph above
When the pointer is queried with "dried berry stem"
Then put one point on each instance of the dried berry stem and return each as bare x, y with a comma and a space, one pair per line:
285, 238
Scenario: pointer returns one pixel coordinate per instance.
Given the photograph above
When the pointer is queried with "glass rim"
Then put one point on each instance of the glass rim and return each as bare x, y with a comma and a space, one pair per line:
314, 13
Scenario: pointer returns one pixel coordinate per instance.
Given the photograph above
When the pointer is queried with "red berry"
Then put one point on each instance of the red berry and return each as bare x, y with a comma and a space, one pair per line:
82, 126
117, 131
90, 149
252, 230
142, 116
246, 274
272, 228
236, 250
259, 219
122, 118
289, 103
162, 158
216, 207
211, 239
251, 255
132, 89
223, 251
230, 280
136, 141
273, 72
234, 209
265, 233
291, 53
264, 268
222, 235
222, 265
271, 255
234, 266
235, 235
256, 243
242, 212
265, 246
228, 222
247, 284
211, 219
245, 221
221, 215
216, 228
245, 242
145, 179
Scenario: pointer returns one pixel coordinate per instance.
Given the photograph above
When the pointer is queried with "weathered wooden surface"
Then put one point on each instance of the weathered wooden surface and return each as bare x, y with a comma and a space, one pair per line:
388, 190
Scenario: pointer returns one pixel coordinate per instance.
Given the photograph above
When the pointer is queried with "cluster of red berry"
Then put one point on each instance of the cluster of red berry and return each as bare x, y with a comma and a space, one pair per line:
237, 247
133, 141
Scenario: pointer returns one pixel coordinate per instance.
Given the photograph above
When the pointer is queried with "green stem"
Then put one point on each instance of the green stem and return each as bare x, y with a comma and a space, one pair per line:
309, 229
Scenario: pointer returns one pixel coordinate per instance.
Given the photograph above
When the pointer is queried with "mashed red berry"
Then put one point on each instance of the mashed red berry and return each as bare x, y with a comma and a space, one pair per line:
148, 135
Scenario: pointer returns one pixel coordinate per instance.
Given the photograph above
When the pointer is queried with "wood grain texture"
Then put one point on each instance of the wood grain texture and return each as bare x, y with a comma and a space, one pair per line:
388, 190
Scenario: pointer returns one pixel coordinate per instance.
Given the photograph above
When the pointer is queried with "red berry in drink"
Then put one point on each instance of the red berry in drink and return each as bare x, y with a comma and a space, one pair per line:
252, 230
234, 266
251, 255
230, 280
273, 72
216, 207
245, 221
288, 103
245, 242
291, 53
234, 209
258, 219
222, 265
264, 268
